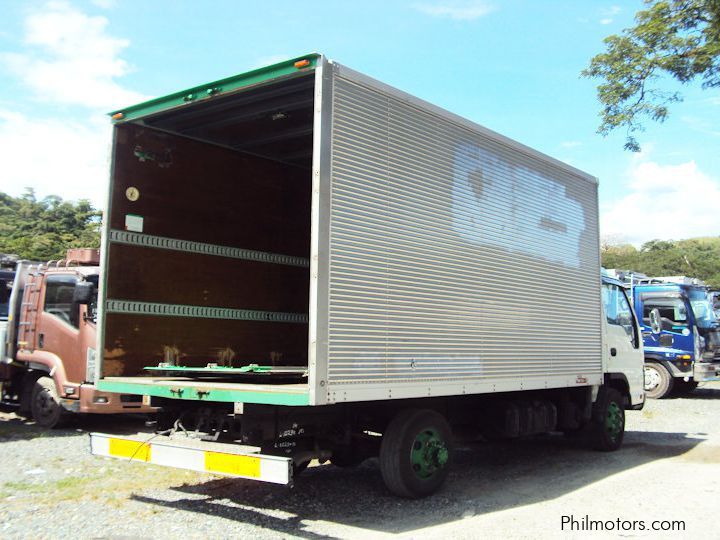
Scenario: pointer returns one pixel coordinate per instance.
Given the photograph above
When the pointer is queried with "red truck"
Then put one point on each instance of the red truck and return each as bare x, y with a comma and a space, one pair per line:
47, 360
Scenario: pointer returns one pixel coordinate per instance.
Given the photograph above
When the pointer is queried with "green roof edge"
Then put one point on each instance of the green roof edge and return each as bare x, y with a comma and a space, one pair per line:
209, 90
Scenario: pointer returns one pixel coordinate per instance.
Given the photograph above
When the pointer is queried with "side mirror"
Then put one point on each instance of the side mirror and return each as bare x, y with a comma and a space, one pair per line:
655, 324
84, 293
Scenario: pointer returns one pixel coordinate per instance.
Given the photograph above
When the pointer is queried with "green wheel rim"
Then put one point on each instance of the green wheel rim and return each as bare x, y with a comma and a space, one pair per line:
429, 453
614, 420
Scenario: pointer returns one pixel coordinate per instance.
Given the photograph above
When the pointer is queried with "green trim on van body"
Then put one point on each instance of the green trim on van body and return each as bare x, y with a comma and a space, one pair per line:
167, 389
215, 88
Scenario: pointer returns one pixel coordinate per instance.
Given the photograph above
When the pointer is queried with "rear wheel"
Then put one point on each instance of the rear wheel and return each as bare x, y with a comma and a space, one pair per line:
658, 381
415, 453
607, 428
45, 404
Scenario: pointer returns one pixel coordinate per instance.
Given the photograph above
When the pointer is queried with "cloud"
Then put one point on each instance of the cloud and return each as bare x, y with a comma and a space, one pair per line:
570, 144
666, 202
71, 59
701, 125
608, 15
68, 58
458, 10
55, 157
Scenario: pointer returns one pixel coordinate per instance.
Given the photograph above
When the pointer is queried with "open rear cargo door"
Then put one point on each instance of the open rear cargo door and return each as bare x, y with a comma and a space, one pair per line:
207, 240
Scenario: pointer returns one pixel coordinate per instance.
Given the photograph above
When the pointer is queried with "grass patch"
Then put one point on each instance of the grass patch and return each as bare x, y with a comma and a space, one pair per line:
68, 488
112, 482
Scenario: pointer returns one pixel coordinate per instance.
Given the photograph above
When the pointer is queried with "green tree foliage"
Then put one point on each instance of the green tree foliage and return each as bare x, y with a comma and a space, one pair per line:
676, 38
696, 257
44, 229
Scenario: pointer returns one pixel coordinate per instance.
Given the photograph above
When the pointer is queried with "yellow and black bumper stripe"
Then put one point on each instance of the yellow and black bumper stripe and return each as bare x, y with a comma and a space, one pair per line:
194, 455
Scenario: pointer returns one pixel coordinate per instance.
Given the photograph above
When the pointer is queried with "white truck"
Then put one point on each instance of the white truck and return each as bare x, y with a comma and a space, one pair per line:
301, 262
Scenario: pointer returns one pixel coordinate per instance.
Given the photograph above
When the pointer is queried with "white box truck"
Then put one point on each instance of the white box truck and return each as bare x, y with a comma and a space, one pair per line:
301, 262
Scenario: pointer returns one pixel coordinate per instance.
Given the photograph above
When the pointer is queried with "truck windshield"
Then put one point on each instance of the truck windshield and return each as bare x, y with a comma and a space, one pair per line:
703, 309
672, 311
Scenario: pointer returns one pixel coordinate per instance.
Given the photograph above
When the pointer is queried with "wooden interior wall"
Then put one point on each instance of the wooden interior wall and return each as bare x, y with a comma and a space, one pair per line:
137, 341
194, 191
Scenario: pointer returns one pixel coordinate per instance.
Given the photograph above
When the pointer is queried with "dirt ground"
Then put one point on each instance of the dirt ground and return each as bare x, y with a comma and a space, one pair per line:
668, 470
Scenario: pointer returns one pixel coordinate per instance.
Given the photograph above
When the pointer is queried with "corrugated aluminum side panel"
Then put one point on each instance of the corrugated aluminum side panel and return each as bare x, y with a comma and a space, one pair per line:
453, 255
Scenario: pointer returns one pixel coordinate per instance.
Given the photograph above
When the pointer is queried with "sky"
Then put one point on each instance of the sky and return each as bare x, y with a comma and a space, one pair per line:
511, 66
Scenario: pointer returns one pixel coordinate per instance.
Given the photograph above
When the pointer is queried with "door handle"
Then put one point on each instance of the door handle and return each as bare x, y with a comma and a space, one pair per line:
613, 351
41, 340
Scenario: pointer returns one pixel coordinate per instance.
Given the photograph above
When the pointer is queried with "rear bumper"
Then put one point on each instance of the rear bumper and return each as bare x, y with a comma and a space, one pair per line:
217, 458
93, 401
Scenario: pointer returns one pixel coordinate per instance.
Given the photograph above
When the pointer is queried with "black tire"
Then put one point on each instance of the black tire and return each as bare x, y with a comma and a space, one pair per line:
607, 426
26, 393
658, 381
416, 436
683, 388
45, 404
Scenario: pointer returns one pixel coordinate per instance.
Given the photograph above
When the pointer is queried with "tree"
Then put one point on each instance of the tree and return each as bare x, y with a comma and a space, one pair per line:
679, 38
696, 257
44, 229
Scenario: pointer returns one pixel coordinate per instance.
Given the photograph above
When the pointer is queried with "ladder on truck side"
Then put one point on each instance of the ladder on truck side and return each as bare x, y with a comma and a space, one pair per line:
29, 307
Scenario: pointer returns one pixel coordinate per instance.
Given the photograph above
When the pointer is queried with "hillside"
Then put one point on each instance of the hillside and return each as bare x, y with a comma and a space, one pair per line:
43, 229
696, 257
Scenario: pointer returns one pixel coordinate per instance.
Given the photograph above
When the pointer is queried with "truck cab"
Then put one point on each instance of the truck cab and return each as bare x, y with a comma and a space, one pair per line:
623, 340
48, 363
680, 330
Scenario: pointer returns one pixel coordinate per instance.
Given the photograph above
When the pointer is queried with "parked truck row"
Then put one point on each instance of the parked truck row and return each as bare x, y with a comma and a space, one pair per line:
680, 329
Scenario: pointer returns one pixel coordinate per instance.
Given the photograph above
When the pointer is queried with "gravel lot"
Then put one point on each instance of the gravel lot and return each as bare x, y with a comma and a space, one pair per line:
669, 469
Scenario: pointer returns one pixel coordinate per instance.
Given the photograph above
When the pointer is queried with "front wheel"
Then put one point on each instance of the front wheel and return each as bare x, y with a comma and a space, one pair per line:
415, 453
607, 427
658, 381
45, 404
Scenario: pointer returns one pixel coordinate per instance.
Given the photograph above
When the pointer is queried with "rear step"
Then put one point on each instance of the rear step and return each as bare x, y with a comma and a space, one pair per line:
217, 458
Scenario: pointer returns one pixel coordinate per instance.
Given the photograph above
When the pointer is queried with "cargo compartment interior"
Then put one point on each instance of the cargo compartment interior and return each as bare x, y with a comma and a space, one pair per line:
209, 246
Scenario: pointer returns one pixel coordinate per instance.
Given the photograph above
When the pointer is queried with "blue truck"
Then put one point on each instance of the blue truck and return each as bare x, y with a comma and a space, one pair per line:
681, 332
